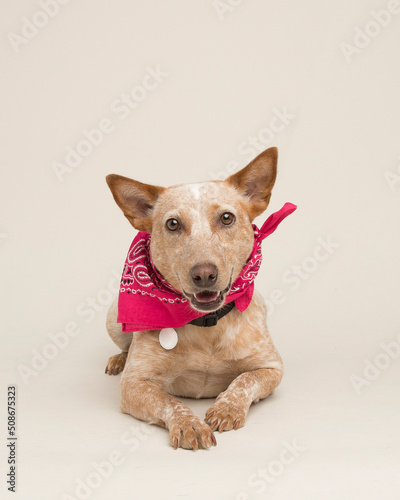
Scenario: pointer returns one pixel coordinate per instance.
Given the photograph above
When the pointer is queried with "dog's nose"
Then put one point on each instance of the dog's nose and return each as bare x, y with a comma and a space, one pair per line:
204, 275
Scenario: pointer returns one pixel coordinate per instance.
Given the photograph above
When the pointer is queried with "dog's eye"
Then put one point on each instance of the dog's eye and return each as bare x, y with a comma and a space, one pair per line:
172, 224
227, 218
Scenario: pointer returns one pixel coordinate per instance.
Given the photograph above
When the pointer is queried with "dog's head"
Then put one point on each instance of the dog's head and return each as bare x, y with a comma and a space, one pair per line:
201, 234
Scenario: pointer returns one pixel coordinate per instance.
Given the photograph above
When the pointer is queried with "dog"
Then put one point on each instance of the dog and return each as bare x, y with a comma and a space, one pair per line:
201, 239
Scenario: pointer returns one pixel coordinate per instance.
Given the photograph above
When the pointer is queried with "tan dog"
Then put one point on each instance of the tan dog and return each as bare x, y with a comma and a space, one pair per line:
201, 237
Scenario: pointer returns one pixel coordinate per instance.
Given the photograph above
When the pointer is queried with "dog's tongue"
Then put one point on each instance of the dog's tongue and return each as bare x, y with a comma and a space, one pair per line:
206, 296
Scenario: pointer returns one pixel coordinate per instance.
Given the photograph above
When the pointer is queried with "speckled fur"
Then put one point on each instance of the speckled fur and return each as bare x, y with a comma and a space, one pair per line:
234, 361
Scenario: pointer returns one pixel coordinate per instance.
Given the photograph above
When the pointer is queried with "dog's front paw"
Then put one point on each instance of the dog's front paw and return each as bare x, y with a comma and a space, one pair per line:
226, 414
191, 433
116, 363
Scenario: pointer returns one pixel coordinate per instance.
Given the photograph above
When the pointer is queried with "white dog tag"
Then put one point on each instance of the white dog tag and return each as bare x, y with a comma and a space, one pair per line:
168, 338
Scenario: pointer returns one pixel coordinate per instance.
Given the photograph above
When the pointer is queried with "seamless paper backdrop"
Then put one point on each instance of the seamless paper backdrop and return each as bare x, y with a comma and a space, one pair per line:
186, 91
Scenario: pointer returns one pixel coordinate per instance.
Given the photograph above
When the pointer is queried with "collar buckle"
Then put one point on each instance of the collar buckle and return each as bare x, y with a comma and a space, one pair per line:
210, 319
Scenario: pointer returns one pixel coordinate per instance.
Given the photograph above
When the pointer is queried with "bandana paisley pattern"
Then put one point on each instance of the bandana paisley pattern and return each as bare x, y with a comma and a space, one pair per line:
139, 272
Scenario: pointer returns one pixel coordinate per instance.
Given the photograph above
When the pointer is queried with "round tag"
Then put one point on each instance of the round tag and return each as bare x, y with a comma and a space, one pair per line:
168, 338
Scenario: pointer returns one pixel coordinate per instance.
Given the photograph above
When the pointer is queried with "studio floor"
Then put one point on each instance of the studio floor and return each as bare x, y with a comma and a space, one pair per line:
314, 438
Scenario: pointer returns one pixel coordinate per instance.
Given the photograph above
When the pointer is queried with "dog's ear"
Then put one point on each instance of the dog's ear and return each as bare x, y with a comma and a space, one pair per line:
256, 181
135, 199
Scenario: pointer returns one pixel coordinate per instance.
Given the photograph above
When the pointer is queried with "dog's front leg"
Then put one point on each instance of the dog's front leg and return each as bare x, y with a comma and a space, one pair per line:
231, 406
145, 400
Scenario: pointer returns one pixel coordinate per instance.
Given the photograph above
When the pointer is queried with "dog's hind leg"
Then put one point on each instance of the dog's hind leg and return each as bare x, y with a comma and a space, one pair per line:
116, 363
123, 340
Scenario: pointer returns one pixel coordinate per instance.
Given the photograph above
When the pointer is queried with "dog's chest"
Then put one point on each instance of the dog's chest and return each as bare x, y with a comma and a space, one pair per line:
205, 362
200, 374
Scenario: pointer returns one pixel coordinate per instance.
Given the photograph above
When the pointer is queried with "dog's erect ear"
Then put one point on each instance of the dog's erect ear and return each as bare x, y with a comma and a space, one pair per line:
256, 181
135, 199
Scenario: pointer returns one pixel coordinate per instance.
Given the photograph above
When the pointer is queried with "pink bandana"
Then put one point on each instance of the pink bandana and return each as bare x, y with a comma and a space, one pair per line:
148, 302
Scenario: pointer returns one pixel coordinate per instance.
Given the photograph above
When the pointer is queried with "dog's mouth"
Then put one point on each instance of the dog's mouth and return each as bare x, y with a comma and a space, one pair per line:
207, 300
206, 297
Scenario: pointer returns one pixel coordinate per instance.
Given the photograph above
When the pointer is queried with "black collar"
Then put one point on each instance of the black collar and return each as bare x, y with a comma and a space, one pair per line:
211, 319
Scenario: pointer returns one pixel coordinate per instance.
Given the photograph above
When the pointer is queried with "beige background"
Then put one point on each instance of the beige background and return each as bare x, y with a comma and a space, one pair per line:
63, 242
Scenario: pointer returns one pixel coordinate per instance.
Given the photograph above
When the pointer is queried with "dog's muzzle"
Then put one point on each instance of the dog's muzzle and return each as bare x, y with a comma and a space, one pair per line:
208, 300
